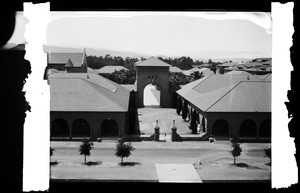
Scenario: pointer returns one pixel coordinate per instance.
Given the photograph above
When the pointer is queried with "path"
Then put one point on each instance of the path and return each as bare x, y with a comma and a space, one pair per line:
178, 173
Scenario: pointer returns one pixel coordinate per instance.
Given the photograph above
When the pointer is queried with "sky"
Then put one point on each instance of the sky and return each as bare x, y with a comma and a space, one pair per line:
194, 34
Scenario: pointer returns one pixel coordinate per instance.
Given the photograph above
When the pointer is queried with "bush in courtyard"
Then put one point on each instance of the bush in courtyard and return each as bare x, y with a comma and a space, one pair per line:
51, 151
193, 124
184, 110
236, 151
179, 105
268, 153
123, 150
85, 148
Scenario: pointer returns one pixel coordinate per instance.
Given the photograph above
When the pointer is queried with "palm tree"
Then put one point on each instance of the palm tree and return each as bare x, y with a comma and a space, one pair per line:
179, 105
184, 110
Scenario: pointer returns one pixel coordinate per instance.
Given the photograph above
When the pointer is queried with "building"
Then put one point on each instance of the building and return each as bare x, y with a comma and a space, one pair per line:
69, 62
258, 66
231, 105
156, 72
87, 105
110, 69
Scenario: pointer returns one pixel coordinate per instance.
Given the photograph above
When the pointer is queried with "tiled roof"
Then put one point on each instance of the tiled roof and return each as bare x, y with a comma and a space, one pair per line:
227, 64
83, 92
62, 58
129, 87
229, 93
190, 71
241, 72
152, 61
174, 69
110, 69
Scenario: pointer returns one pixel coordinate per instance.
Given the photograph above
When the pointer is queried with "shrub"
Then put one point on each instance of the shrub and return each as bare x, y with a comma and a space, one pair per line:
236, 151
268, 153
179, 105
184, 110
51, 151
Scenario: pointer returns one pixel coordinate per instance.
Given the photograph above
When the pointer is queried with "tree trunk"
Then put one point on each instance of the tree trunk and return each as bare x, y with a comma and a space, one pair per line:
85, 159
121, 159
234, 160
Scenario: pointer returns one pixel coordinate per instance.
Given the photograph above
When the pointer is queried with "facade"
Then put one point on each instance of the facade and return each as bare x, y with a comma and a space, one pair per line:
231, 106
87, 105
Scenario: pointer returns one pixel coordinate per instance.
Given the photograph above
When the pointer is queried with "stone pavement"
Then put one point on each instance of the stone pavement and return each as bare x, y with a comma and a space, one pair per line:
178, 173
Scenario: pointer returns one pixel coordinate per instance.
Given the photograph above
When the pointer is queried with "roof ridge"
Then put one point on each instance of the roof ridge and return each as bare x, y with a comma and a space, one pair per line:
103, 94
224, 95
205, 78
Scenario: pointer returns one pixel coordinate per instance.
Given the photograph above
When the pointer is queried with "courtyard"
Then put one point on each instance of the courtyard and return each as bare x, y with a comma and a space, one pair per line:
210, 161
147, 121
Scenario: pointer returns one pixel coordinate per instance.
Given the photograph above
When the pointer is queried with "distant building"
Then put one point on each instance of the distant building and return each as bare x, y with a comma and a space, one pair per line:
87, 105
110, 69
258, 66
69, 62
231, 105
221, 67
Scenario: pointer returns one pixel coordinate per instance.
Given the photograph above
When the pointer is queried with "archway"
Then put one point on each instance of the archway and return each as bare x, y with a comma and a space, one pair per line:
220, 129
265, 129
109, 128
80, 128
59, 128
152, 95
247, 129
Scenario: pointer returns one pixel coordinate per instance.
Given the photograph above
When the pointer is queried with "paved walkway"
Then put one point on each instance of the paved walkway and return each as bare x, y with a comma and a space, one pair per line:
181, 173
147, 120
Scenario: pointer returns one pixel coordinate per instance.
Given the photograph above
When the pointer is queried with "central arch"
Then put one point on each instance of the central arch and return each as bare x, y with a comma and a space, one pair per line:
220, 129
109, 128
152, 95
153, 71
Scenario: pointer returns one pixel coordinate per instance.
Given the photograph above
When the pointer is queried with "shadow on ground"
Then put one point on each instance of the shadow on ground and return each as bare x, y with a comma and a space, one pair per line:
54, 163
129, 163
92, 163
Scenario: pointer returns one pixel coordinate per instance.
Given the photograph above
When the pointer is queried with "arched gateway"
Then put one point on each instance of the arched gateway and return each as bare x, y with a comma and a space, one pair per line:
156, 72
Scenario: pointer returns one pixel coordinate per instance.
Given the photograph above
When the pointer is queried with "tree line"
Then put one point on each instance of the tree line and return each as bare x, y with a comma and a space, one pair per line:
184, 63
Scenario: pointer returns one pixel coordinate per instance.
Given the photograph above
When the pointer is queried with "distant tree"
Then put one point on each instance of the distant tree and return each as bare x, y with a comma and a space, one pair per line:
184, 110
179, 105
236, 151
210, 61
123, 150
196, 75
268, 153
85, 148
193, 124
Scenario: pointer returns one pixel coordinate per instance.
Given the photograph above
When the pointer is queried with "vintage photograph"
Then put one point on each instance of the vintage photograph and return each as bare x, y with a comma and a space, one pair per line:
167, 97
